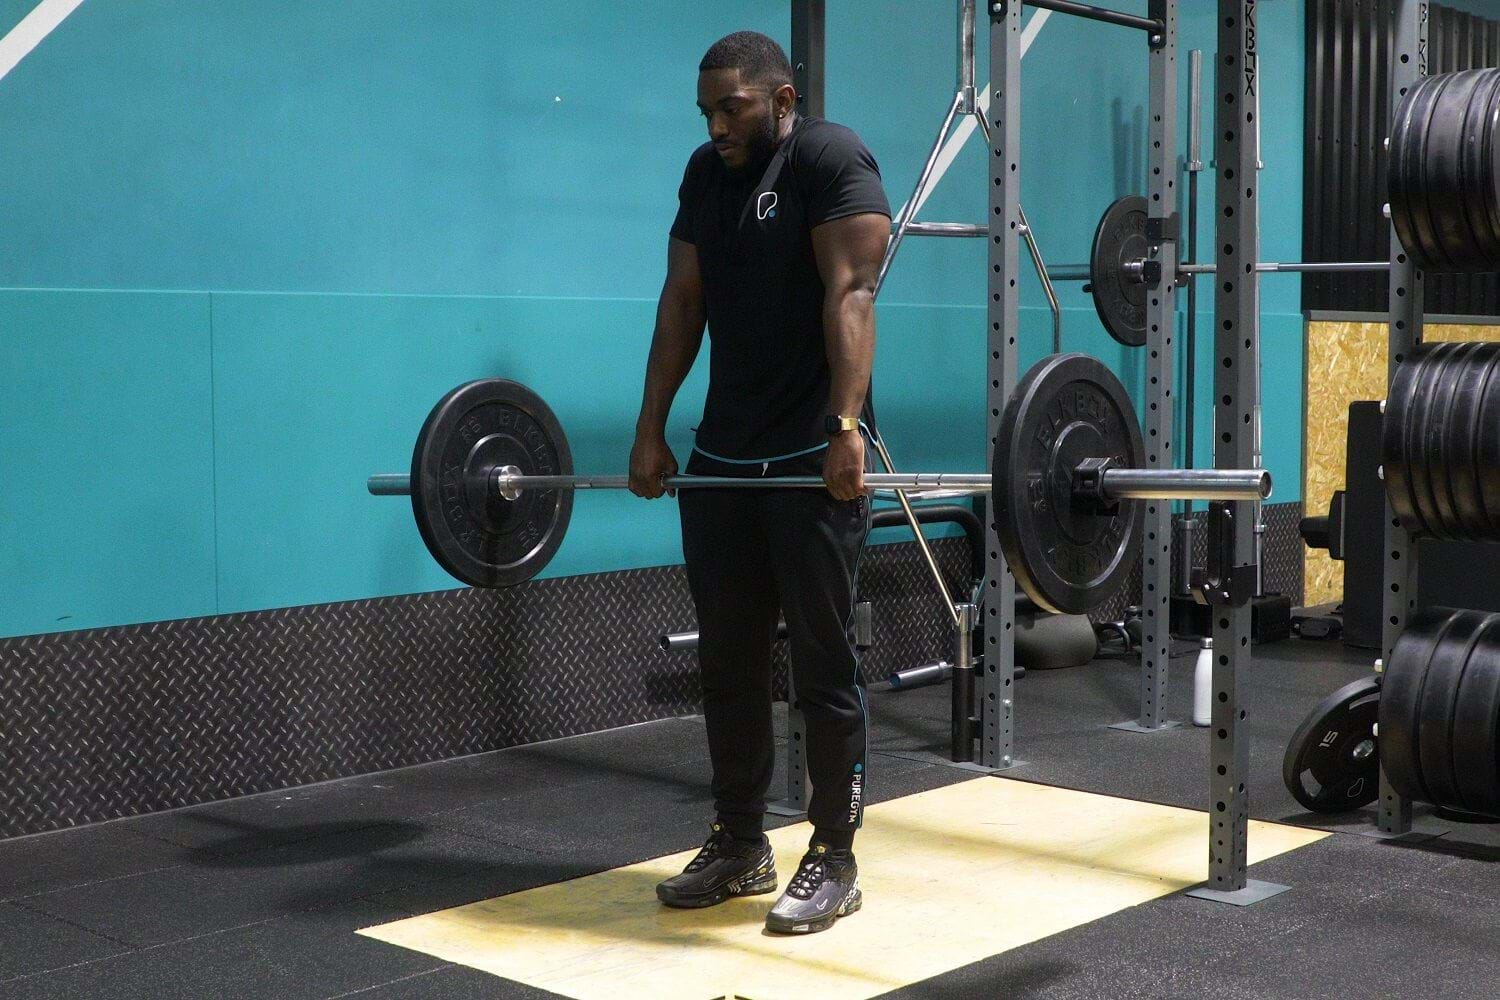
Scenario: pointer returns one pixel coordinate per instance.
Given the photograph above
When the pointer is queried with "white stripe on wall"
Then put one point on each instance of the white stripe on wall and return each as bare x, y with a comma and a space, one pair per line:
966, 127
27, 35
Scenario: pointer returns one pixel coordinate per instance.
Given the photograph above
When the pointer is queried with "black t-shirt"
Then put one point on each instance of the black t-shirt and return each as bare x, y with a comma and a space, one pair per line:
769, 377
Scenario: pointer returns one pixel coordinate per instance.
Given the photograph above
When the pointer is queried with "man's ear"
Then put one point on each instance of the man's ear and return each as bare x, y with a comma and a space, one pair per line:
784, 100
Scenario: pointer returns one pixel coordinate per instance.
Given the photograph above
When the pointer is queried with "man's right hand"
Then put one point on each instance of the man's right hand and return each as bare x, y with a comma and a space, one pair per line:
651, 461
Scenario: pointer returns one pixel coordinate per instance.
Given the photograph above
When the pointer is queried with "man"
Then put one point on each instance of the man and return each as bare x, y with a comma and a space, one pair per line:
781, 227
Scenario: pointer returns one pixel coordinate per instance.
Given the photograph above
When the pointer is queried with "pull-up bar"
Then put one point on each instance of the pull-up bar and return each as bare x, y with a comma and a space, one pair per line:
1156, 29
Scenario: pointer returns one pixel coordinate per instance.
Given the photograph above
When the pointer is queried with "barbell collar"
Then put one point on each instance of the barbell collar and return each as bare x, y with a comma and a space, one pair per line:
1185, 484
960, 230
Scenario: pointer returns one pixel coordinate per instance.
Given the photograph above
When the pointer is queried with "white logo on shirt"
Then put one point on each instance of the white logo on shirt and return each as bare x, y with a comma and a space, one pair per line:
765, 205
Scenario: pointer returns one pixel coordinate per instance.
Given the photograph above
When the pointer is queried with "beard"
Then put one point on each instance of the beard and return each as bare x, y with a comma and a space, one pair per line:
761, 144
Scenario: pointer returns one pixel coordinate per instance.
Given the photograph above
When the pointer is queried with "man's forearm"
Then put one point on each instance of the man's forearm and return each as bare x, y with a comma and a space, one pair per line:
674, 348
849, 331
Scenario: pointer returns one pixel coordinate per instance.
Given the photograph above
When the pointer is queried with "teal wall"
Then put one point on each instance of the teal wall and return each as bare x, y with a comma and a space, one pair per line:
249, 243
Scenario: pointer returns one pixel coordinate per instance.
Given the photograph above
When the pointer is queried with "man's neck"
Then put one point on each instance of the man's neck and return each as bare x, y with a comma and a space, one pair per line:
785, 126
783, 132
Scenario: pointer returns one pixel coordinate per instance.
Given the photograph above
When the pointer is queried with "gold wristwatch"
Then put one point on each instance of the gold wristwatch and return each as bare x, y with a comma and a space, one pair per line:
837, 425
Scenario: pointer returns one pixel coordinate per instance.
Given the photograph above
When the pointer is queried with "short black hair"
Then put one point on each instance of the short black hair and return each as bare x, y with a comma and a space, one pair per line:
758, 58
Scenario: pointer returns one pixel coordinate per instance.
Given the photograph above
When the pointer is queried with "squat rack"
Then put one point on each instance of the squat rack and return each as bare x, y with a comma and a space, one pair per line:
1236, 341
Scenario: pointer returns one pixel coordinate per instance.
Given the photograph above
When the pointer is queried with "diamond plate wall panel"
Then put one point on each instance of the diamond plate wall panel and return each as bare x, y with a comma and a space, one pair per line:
114, 722
120, 721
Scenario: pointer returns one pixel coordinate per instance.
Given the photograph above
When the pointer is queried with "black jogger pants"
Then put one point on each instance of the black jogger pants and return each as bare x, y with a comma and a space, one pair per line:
753, 556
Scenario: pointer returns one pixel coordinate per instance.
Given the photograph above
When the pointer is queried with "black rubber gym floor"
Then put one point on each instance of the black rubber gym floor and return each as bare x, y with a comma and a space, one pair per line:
260, 897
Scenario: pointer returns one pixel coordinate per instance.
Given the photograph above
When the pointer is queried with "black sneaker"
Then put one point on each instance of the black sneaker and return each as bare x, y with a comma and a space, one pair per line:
724, 867
825, 888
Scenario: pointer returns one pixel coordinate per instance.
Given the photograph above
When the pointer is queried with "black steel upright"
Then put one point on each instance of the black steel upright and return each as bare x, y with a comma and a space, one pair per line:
1161, 368
808, 63
1236, 330
1408, 64
997, 735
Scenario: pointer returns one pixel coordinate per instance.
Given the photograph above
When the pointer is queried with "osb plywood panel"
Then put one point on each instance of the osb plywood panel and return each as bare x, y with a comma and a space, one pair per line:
1031, 861
1345, 362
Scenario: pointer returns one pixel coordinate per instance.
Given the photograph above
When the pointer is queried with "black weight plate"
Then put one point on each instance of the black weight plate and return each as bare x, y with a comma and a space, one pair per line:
1462, 441
1065, 555
1476, 724
1404, 456
1405, 179
1400, 399
1427, 361
1444, 188
1436, 709
1479, 180
1401, 699
1400, 457
1481, 186
1487, 196
1487, 455
1443, 170
1120, 300
1441, 392
479, 537
1332, 764
1440, 442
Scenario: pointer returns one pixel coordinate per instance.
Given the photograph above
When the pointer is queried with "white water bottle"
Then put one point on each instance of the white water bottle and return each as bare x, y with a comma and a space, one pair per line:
1203, 685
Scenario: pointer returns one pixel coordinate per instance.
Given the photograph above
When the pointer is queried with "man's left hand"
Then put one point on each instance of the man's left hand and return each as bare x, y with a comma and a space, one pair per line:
844, 465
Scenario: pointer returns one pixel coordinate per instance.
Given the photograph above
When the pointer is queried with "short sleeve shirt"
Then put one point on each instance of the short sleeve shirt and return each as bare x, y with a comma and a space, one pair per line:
769, 377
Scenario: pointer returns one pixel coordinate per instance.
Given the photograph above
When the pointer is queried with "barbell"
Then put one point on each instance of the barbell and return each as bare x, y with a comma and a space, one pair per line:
1443, 180
1120, 274
492, 483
